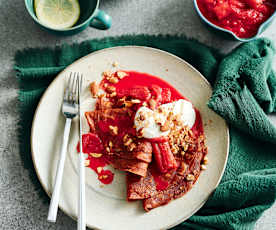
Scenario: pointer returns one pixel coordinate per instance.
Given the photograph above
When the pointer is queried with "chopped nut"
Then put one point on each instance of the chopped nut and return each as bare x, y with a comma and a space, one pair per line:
140, 133
94, 88
110, 89
131, 147
203, 167
99, 169
86, 163
205, 160
101, 96
174, 150
176, 117
142, 116
135, 101
182, 153
113, 130
113, 94
152, 104
190, 177
185, 146
107, 149
107, 73
104, 176
167, 175
110, 144
165, 127
127, 104
121, 74
96, 155
105, 85
184, 165
170, 116
115, 64
128, 142
158, 121
160, 110
121, 101
125, 138
190, 132
177, 120
114, 80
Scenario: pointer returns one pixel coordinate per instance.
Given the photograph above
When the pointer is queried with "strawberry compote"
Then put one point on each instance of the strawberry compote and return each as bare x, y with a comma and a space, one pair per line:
242, 17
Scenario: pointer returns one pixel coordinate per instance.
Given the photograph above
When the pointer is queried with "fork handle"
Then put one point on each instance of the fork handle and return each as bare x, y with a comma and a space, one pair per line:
82, 205
52, 213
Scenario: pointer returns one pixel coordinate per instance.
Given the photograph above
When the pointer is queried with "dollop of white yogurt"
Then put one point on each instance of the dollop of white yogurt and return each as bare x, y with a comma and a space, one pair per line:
151, 128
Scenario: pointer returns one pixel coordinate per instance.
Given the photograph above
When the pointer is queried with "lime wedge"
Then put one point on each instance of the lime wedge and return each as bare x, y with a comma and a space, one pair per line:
57, 14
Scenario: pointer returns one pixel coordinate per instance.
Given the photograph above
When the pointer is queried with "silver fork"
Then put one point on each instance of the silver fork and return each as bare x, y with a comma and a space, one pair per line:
70, 108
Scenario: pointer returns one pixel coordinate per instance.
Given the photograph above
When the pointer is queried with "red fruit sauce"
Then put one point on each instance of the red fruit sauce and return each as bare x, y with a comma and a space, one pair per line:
92, 144
141, 86
242, 17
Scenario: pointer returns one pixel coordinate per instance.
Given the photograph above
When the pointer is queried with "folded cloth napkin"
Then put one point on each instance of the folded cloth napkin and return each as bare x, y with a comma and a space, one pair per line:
244, 91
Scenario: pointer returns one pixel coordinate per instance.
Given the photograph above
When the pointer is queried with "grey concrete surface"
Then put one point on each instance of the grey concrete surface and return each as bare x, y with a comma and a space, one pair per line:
21, 205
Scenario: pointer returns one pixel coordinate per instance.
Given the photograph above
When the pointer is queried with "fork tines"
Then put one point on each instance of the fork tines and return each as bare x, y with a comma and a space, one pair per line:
72, 90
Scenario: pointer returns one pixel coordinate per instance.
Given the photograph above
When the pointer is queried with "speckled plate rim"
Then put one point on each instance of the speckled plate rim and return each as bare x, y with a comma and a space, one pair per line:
111, 49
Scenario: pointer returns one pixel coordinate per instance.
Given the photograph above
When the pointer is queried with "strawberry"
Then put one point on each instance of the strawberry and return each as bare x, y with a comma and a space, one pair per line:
222, 10
166, 95
91, 143
156, 93
254, 3
211, 2
164, 157
137, 92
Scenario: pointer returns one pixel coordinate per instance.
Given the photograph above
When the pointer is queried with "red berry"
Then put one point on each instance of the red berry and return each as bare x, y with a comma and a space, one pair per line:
166, 95
222, 10
137, 92
91, 143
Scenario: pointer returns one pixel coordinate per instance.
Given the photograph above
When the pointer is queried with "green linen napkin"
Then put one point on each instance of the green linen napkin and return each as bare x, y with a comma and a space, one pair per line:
244, 90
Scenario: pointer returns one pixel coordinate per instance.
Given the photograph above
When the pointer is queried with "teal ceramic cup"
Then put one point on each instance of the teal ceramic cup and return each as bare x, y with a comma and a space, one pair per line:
229, 34
90, 16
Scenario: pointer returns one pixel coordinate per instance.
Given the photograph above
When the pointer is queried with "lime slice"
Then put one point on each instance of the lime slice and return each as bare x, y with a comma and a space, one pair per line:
57, 14
35, 3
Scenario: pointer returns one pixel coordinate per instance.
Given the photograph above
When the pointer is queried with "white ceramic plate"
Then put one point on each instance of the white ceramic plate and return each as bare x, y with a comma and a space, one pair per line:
107, 207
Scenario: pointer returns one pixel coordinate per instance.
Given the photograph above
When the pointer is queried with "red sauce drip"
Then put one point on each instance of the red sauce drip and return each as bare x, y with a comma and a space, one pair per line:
105, 176
198, 125
243, 17
92, 144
